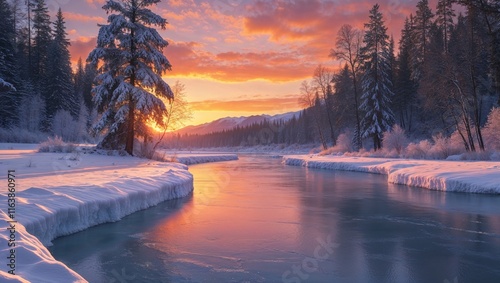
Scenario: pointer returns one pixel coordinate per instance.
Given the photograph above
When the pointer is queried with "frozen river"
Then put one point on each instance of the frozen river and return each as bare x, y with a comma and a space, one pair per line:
256, 220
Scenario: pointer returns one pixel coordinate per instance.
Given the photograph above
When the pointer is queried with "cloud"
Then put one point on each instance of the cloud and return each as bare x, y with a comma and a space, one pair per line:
277, 41
83, 18
311, 25
81, 47
188, 59
94, 3
250, 105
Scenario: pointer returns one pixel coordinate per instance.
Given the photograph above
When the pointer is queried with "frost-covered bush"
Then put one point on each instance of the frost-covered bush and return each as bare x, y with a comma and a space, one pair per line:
418, 150
344, 142
56, 144
444, 147
64, 126
395, 140
31, 114
343, 145
491, 131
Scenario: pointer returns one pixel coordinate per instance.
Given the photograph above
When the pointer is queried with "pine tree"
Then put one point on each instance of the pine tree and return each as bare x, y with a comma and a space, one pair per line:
131, 62
376, 84
421, 33
8, 70
404, 86
444, 20
41, 43
59, 85
88, 78
343, 104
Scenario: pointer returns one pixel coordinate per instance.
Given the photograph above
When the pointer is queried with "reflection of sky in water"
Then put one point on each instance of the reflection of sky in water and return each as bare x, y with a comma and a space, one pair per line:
252, 222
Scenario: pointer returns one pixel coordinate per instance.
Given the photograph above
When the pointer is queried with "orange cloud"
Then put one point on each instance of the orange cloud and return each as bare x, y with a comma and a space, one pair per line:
188, 60
83, 18
254, 105
210, 39
81, 47
93, 3
299, 34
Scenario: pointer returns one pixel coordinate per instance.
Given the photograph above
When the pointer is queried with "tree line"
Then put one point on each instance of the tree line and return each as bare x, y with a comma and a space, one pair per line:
38, 89
118, 94
442, 78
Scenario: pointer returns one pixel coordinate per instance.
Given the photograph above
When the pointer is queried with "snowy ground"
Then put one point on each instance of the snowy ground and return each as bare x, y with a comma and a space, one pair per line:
452, 176
62, 193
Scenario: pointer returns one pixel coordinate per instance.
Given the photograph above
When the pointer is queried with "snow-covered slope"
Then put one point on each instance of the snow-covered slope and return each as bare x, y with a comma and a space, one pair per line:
58, 194
451, 176
232, 122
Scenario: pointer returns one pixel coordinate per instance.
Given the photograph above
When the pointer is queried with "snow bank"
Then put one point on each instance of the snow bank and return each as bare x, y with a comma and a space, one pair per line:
452, 176
34, 263
59, 194
190, 159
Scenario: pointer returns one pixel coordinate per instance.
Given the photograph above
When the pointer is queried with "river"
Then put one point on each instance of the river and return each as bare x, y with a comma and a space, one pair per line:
256, 220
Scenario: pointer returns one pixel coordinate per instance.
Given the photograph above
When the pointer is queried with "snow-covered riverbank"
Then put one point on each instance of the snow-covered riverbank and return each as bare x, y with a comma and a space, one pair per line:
59, 194
200, 157
451, 176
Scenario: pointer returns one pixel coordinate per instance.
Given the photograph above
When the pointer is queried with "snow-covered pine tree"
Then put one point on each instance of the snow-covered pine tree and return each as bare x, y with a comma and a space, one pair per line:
59, 89
129, 84
8, 70
376, 84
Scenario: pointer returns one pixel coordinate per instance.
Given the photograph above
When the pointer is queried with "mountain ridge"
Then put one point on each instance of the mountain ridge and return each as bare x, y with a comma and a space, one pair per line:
228, 123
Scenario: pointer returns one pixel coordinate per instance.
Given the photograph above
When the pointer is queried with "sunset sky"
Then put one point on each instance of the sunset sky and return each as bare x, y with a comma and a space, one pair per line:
241, 57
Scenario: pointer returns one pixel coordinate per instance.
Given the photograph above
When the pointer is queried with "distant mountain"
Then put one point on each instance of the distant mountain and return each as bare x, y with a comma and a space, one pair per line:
229, 123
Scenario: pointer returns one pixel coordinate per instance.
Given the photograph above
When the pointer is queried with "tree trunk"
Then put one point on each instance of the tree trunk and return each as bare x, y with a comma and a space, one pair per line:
332, 132
129, 143
357, 138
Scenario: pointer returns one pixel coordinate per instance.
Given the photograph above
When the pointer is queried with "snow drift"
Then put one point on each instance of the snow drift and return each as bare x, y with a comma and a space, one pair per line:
451, 176
59, 194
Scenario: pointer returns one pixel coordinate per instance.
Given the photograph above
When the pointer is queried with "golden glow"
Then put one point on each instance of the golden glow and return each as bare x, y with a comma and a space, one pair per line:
249, 52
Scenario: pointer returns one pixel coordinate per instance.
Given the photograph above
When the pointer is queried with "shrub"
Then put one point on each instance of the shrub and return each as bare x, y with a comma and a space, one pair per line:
444, 147
418, 150
491, 131
56, 144
64, 126
343, 145
395, 140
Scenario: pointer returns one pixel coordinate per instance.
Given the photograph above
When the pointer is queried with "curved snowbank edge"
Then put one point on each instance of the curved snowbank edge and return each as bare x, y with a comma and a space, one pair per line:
450, 176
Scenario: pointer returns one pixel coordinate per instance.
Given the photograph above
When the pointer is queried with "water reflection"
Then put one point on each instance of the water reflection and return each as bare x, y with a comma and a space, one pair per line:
256, 220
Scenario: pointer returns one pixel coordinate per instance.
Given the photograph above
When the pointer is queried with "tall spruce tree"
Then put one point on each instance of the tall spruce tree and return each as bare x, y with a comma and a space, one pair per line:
129, 84
404, 85
444, 19
41, 42
376, 83
8, 70
421, 36
59, 89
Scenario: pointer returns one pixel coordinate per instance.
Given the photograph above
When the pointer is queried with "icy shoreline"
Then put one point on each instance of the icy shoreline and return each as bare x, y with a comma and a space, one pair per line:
450, 176
57, 195
191, 159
